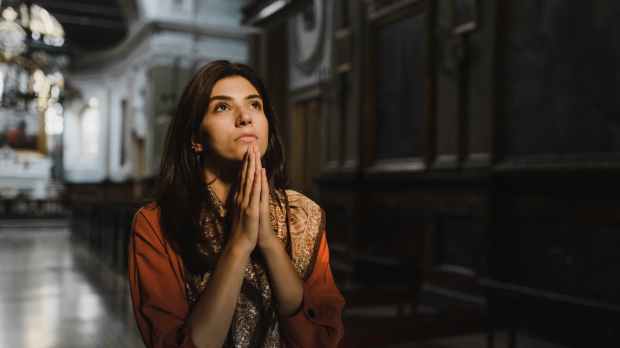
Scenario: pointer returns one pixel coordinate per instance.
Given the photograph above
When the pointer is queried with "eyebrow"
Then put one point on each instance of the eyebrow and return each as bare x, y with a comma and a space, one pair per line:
225, 97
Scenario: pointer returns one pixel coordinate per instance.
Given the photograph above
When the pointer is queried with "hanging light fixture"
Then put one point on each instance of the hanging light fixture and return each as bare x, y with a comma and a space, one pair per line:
32, 58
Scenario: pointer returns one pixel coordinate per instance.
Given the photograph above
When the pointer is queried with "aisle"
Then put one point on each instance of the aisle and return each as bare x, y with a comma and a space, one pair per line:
54, 294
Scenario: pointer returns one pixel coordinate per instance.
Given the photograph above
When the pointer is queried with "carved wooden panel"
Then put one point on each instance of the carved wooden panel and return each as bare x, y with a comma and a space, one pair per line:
306, 145
400, 90
343, 50
395, 119
556, 98
481, 87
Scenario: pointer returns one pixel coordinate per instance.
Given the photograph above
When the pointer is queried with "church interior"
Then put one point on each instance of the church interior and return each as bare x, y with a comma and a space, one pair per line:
465, 205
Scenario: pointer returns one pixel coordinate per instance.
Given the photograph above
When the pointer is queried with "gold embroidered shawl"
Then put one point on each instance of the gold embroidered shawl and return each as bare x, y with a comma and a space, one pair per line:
255, 322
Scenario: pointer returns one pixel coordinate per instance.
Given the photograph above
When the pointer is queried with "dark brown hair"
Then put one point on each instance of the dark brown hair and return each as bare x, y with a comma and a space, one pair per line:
182, 192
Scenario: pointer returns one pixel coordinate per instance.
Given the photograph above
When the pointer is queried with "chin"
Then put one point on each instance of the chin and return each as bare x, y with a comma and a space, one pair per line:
236, 157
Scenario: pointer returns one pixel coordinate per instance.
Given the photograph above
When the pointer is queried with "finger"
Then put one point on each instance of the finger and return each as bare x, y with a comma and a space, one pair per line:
260, 158
244, 173
244, 165
259, 168
250, 178
255, 199
258, 163
264, 192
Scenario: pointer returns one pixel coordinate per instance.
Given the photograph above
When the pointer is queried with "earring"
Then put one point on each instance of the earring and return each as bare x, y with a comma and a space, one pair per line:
197, 148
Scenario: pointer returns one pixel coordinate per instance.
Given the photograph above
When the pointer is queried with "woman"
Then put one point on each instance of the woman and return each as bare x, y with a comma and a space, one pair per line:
226, 256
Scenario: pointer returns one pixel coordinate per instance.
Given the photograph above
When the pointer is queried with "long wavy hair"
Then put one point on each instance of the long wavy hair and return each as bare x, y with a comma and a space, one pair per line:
181, 190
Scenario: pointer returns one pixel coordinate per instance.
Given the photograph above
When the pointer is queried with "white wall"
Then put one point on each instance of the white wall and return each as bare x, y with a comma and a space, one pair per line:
78, 166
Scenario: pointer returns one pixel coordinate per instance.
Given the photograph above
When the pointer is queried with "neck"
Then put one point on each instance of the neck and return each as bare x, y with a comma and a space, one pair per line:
221, 177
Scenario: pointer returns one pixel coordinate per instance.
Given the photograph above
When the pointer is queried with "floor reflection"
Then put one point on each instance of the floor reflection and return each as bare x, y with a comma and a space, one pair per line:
53, 293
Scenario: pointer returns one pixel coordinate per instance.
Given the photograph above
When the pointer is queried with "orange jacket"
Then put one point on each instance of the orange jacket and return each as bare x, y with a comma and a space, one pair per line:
157, 284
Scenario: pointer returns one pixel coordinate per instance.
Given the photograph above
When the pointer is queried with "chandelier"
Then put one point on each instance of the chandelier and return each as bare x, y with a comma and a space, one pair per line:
32, 58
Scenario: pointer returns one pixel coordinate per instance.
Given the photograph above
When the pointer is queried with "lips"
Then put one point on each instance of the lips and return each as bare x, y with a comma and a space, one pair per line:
247, 138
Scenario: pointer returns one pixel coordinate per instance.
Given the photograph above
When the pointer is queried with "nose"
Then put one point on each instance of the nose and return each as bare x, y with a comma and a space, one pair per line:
243, 118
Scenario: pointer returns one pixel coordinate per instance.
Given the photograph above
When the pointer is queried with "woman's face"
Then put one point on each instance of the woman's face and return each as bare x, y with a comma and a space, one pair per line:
235, 119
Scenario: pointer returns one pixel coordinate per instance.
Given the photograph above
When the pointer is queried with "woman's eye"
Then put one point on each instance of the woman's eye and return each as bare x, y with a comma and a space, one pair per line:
220, 107
256, 105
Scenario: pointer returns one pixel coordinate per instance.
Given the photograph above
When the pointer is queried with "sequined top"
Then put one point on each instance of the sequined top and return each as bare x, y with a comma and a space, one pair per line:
163, 291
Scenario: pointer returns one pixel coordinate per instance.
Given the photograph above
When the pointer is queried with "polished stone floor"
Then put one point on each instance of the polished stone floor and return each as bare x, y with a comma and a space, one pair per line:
53, 294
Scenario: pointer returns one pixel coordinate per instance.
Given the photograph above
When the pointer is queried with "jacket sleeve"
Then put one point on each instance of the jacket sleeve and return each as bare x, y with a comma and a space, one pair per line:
318, 323
157, 287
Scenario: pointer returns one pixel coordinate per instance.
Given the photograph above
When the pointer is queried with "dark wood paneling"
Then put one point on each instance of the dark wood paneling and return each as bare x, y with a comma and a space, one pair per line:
355, 104
275, 59
481, 87
400, 89
558, 97
343, 50
457, 244
551, 249
414, 224
395, 126
565, 229
449, 117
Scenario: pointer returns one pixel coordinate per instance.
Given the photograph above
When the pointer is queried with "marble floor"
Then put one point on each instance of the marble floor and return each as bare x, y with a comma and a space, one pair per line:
53, 294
